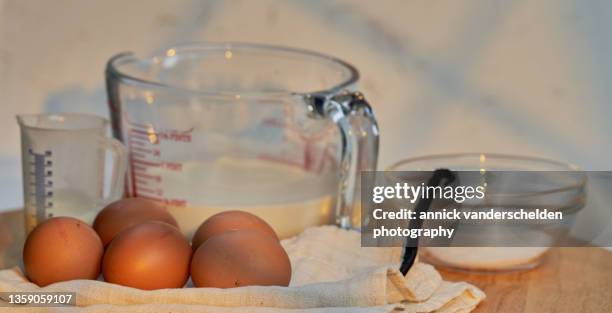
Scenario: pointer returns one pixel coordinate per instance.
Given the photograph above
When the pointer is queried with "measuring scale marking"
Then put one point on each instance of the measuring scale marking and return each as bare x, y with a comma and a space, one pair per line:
144, 156
42, 175
142, 150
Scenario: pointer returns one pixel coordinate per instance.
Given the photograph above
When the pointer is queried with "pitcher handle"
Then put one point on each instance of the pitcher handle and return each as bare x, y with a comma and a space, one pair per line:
117, 179
359, 130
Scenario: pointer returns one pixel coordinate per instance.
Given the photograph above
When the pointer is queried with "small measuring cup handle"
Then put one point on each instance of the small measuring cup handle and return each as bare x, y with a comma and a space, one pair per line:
359, 130
117, 181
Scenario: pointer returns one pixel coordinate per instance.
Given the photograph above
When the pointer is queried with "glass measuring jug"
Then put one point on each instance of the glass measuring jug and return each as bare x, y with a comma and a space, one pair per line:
275, 131
63, 159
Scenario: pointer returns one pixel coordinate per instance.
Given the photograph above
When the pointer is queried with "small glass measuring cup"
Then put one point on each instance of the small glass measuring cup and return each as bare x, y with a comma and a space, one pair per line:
63, 158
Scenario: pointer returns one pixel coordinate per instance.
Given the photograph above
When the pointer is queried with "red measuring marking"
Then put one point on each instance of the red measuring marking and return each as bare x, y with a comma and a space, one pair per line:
143, 156
156, 178
153, 198
139, 168
140, 149
173, 202
133, 142
140, 131
150, 191
145, 163
177, 167
140, 160
154, 152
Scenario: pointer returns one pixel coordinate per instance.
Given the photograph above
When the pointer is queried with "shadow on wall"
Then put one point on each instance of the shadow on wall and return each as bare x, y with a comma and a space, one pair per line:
78, 99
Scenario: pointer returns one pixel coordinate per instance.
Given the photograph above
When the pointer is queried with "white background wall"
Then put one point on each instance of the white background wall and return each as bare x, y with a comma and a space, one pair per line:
526, 77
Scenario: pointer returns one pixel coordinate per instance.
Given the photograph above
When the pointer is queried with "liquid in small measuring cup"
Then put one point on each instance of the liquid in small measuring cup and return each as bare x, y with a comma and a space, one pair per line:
63, 159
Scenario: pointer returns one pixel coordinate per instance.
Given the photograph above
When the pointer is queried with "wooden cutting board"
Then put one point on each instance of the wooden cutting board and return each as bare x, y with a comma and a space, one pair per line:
569, 280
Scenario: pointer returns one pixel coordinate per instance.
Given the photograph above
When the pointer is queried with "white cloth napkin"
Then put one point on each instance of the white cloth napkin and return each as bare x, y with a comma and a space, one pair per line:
331, 273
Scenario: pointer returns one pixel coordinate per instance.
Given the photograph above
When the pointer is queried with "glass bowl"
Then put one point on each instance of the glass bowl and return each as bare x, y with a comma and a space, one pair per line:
551, 184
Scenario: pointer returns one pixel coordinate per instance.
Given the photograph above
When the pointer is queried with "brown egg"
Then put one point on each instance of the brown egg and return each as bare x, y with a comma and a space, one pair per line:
229, 221
151, 255
240, 258
60, 249
128, 212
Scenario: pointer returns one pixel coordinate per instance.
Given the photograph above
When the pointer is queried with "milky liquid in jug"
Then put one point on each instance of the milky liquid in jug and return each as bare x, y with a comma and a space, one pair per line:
289, 198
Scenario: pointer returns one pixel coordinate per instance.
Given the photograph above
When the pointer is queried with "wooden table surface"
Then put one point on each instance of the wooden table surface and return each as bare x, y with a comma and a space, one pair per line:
569, 279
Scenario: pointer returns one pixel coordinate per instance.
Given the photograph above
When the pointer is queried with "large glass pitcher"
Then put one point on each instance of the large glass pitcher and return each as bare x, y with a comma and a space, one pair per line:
279, 132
